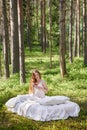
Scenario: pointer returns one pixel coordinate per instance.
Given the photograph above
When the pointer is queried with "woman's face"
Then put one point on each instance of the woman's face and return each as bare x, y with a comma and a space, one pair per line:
37, 76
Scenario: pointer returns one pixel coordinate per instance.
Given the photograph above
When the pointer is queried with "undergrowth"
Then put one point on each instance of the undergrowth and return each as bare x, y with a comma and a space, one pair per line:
73, 85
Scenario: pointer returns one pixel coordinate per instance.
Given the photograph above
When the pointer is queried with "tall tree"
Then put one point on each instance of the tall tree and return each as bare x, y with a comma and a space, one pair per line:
5, 38
37, 20
1, 26
84, 33
70, 32
29, 24
43, 25
0, 60
21, 41
78, 28
14, 36
75, 32
62, 38
0, 12
50, 31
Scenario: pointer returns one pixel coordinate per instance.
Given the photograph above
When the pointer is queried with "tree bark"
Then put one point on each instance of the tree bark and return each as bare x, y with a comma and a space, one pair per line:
84, 33
50, 31
78, 28
14, 36
75, 34
21, 41
29, 24
70, 33
37, 20
43, 25
0, 62
62, 38
5, 39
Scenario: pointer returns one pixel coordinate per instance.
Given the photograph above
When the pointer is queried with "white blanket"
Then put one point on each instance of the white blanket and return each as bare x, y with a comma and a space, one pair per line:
43, 109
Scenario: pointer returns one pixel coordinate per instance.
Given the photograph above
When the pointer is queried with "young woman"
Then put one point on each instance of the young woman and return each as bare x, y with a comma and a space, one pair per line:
37, 106
37, 85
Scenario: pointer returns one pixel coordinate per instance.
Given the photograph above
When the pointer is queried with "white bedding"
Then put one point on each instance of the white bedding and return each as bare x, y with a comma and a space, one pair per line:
43, 109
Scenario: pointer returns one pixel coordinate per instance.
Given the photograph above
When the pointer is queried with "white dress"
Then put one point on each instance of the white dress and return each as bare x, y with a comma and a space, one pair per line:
39, 107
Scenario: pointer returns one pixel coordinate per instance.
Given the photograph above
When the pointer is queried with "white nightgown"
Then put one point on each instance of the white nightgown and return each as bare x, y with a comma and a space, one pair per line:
39, 107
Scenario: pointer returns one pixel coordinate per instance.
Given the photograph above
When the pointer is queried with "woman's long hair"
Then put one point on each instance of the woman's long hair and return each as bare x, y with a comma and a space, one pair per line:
33, 80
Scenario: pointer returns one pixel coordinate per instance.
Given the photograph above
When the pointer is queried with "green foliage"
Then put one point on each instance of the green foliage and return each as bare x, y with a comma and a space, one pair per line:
74, 85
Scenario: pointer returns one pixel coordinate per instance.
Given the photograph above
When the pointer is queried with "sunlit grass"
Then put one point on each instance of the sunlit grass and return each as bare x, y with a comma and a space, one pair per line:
74, 85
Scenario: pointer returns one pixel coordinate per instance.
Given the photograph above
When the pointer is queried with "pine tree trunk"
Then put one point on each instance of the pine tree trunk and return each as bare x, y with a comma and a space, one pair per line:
29, 24
84, 33
70, 33
78, 28
41, 25
21, 41
5, 38
14, 36
37, 20
0, 61
62, 38
50, 31
44, 26
1, 25
75, 33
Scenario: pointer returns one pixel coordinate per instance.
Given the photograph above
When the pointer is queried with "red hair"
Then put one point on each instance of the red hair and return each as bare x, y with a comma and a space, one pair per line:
33, 80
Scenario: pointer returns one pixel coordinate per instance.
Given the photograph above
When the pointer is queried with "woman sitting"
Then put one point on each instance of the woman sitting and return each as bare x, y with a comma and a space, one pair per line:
37, 106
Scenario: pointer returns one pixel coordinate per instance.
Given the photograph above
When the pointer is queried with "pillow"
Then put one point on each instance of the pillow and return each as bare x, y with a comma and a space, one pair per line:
11, 102
53, 100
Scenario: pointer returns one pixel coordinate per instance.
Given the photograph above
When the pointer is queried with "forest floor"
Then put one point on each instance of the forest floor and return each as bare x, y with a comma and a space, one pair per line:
73, 85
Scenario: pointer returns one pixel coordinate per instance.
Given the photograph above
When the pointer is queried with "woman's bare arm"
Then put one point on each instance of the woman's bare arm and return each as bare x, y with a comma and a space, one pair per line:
45, 87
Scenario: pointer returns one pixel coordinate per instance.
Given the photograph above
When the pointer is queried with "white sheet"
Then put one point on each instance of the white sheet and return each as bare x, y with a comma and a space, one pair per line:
43, 109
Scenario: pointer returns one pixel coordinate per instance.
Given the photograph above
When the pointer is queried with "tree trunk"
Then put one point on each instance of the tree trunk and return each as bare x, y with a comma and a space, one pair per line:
50, 31
84, 33
70, 33
62, 38
14, 36
43, 25
5, 38
78, 28
37, 20
21, 41
29, 24
1, 30
75, 35
0, 60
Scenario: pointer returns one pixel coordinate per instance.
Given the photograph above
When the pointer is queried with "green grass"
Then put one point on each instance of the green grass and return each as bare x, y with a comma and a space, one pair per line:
73, 85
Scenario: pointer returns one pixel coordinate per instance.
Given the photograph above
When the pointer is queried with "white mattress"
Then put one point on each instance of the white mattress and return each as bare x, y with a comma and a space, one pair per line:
43, 109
